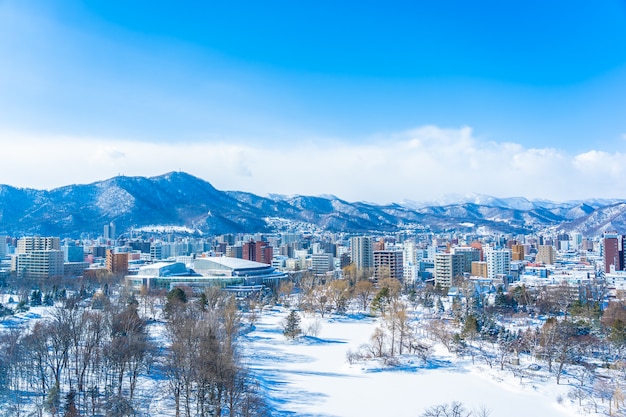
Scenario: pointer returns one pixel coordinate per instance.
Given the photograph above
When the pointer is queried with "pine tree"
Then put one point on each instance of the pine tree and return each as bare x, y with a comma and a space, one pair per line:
35, 298
292, 328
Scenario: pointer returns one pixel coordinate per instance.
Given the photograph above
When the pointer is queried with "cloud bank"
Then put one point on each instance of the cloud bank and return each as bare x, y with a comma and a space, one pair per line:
421, 164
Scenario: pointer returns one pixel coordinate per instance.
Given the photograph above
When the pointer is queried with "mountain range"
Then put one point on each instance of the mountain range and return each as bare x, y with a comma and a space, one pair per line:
184, 202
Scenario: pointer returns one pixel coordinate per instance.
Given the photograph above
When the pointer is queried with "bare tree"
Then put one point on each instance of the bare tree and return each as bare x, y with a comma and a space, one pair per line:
338, 292
454, 409
363, 291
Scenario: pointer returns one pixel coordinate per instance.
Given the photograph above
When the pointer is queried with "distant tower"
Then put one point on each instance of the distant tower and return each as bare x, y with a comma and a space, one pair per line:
109, 231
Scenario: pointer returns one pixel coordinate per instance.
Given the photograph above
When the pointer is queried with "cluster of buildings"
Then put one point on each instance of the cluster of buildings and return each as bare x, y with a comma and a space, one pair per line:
254, 260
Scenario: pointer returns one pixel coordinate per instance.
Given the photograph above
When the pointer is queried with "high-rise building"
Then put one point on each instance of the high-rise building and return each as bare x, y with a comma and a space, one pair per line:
322, 262
362, 253
156, 251
498, 262
469, 254
38, 257
545, 255
259, 251
479, 269
109, 231
72, 252
448, 266
410, 259
388, 264
3, 246
613, 252
117, 263
234, 251
32, 243
517, 252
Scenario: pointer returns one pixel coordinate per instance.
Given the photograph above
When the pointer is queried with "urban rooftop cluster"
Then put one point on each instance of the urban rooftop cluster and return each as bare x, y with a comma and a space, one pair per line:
254, 262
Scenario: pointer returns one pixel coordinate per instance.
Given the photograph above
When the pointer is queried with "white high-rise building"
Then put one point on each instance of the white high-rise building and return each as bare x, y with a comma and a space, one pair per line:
38, 257
410, 260
498, 262
322, 262
31, 243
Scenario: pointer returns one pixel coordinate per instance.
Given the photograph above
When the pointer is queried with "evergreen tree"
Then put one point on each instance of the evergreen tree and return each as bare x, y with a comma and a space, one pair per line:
176, 299
617, 334
291, 328
48, 299
35, 298
381, 300
22, 306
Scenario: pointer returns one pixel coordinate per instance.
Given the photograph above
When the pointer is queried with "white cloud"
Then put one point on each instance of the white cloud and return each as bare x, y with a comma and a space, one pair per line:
420, 164
601, 164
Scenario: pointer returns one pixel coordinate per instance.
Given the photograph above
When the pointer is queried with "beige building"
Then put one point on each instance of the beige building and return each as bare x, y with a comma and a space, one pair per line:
517, 252
479, 269
545, 255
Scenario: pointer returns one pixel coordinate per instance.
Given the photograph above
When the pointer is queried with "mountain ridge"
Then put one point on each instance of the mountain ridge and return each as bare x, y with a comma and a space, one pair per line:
177, 198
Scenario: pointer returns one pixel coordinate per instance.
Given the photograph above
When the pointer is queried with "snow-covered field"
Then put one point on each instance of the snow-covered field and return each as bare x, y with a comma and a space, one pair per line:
312, 377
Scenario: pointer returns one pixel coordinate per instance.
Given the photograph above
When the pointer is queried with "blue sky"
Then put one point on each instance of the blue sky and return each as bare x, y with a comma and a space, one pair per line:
375, 101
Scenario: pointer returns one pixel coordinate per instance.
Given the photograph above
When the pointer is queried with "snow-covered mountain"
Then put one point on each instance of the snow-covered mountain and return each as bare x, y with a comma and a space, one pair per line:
181, 200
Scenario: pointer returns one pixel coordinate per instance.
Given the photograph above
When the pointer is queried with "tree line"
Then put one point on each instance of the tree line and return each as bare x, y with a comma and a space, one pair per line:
81, 361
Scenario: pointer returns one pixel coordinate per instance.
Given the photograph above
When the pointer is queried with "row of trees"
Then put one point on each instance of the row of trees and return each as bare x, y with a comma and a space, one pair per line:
84, 361
203, 366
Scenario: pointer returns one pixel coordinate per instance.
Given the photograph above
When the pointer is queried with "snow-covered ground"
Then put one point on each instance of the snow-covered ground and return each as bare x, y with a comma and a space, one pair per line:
312, 377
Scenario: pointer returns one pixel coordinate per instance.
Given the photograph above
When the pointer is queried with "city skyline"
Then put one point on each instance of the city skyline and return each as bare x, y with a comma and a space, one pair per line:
366, 101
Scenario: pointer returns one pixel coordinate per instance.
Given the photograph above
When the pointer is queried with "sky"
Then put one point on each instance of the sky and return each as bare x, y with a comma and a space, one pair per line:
369, 101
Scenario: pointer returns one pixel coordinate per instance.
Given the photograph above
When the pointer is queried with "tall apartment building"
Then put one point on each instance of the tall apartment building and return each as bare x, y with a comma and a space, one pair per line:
613, 251
469, 254
32, 243
410, 260
234, 251
258, 251
388, 264
498, 262
362, 253
479, 269
117, 263
38, 257
517, 252
156, 251
109, 231
447, 267
545, 255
